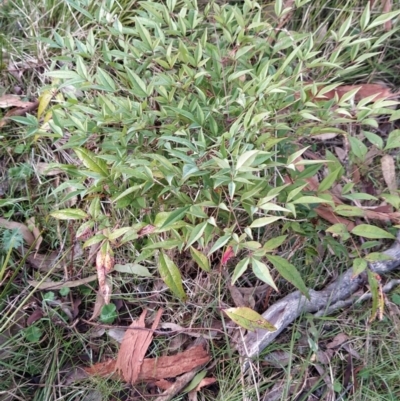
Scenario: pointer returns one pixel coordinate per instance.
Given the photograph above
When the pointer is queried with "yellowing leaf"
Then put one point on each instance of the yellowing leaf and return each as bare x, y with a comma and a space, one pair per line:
69, 214
249, 319
92, 162
171, 276
200, 259
44, 101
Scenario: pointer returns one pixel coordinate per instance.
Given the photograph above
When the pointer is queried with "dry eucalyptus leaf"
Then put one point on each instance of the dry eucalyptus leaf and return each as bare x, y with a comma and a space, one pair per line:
389, 173
338, 340
12, 101
48, 169
56, 285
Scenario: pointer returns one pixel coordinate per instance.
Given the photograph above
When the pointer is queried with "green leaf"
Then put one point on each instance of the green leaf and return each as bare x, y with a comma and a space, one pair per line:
65, 74
249, 319
33, 334
128, 192
360, 196
219, 243
168, 244
240, 268
195, 381
12, 239
247, 158
105, 80
171, 276
174, 216
358, 148
340, 230
144, 34
382, 19
196, 233
374, 288
374, 139
262, 272
108, 313
138, 85
92, 162
200, 259
263, 221
238, 74
69, 214
393, 140
64, 291
329, 180
368, 231
133, 268
274, 243
377, 257
347, 210
359, 265
94, 240
311, 199
288, 272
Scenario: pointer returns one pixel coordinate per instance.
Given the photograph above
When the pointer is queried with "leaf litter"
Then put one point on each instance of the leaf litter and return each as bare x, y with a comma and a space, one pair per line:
132, 367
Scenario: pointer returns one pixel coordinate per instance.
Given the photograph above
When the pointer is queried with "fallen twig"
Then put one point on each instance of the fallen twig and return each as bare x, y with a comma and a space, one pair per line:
334, 296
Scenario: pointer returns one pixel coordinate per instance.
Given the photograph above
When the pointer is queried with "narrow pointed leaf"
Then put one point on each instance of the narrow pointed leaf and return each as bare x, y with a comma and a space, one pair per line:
288, 272
177, 215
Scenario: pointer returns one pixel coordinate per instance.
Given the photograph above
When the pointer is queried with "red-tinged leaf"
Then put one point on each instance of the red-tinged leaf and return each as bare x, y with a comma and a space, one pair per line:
249, 319
228, 254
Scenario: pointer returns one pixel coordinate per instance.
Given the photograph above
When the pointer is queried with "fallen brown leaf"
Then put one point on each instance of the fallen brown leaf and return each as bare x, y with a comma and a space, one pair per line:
180, 383
104, 264
48, 169
56, 285
134, 347
9, 100
98, 305
338, 340
18, 112
389, 173
205, 382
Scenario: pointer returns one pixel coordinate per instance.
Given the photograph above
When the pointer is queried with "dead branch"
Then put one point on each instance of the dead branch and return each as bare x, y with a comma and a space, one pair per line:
334, 296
